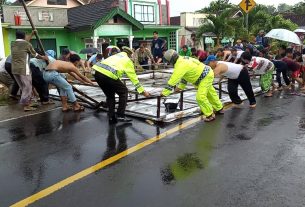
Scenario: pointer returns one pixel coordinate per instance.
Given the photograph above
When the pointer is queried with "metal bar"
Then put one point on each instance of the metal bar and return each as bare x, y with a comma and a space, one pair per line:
32, 25
84, 100
220, 89
181, 101
85, 95
158, 106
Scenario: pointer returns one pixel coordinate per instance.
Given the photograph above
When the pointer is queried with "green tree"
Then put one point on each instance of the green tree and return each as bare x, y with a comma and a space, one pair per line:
299, 8
224, 25
271, 9
261, 19
284, 8
221, 25
217, 7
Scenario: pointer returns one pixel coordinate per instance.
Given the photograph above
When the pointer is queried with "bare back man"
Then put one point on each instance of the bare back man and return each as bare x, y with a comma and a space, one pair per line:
53, 75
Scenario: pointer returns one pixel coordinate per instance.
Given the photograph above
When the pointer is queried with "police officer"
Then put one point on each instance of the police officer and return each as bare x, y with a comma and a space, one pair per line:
108, 73
187, 69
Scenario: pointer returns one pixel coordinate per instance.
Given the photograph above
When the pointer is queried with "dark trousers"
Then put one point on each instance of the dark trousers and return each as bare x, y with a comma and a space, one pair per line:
15, 87
111, 87
284, 72
244, 81
39, 83
145, 62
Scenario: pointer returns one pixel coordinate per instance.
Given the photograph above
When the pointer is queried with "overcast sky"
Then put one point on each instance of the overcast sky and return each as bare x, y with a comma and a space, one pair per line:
178, 6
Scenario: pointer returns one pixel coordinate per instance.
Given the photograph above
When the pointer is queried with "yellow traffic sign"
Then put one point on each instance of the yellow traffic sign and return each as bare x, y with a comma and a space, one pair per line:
247, 5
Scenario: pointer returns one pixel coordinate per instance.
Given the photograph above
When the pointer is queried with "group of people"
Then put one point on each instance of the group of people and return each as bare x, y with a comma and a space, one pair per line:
190, 66
27, 68
237, 64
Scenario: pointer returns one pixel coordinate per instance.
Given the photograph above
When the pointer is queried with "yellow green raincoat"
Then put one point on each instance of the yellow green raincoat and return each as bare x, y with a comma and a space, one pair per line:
188, 69
116, 66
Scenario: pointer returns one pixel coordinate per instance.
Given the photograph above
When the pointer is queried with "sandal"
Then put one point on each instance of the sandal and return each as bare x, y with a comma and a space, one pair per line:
220, 112
34, 105
29, 108
66, 110
252, 106
268, 95
50, 102
210, 118
80, 109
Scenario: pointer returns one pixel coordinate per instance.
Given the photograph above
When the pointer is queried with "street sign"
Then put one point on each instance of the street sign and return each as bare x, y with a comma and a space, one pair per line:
247, 5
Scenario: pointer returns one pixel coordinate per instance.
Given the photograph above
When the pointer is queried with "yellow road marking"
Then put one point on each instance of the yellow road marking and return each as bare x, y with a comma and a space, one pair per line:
61, 184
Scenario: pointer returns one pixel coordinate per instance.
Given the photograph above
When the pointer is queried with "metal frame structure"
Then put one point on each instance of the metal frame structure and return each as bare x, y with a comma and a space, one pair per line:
134, 97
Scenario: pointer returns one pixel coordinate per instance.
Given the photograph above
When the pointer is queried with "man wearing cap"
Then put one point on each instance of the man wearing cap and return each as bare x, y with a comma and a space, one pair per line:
261, 39
239, 45
108, 74
237, 75
187, 69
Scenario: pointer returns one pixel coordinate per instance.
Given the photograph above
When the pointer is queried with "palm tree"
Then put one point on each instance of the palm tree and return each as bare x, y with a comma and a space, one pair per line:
216, 7
221, 25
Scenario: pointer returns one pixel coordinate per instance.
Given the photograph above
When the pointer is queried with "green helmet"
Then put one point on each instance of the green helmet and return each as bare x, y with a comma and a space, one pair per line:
170, 55
127, 50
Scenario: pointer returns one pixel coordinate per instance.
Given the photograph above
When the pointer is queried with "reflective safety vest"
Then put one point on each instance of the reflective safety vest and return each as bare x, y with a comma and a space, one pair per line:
186, 69
116, 66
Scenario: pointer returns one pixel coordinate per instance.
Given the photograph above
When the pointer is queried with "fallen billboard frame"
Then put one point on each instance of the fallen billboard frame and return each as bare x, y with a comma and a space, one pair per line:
152, 108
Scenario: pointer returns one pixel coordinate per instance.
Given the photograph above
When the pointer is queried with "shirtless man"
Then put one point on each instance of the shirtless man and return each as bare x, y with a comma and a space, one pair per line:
236, 75
52, 74
223, 53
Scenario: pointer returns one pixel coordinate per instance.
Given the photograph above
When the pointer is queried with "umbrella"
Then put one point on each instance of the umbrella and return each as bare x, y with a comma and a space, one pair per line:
89, 50
284, 35
299, 31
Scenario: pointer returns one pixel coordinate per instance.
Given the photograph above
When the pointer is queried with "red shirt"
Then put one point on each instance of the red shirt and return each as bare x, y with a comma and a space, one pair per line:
292, 65
201, 55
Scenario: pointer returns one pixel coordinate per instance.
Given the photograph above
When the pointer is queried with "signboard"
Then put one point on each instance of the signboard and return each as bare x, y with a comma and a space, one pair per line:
247, 5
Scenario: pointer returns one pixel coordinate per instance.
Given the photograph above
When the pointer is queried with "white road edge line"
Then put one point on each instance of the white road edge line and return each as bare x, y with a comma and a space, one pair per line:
29, 115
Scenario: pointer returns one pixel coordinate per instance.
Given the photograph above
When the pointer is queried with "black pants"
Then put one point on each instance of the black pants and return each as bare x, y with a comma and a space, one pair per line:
39, 83
15, 87
244, 81
284, 72
145, 62
111, 87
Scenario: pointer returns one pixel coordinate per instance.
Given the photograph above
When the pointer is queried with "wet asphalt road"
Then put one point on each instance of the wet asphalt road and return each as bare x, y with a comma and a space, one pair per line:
245, 158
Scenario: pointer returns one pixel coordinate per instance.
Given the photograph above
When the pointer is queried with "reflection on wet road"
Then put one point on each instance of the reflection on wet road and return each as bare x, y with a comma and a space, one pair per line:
245, 158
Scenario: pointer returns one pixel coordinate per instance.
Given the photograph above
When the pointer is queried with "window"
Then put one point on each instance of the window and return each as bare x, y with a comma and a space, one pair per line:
57, 2
172, 40
45, 16
144, 13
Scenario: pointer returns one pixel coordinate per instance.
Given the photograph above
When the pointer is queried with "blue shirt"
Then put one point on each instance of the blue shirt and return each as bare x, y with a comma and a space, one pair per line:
93, 59
41, 64
156, 48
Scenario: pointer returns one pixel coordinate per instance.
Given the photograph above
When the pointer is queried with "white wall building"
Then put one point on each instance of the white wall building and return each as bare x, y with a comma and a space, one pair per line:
190, 23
